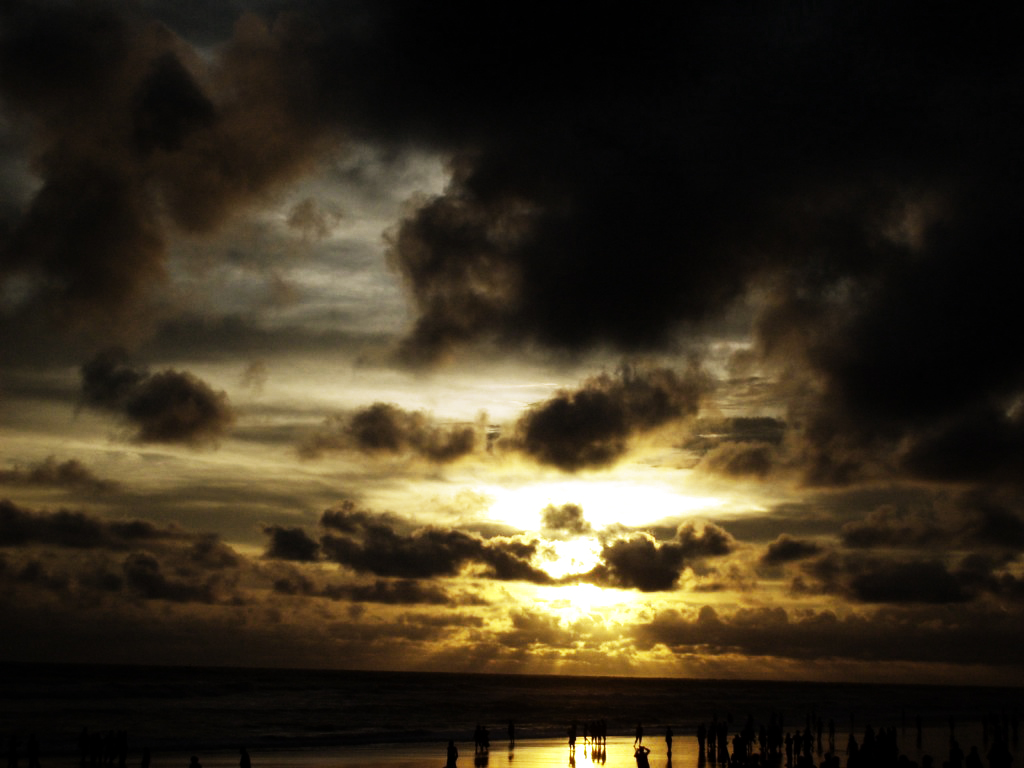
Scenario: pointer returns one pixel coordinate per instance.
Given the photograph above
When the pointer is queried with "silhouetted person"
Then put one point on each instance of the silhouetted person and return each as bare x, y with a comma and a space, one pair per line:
572, 738
244, 761
511, 734
668, 739
194, 762
453, 755
639, 738
956, 755
145, 758
641, 757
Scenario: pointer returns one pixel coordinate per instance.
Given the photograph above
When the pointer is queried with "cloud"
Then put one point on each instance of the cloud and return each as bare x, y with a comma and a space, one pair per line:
910, 582
919, 636
591, 426
144, 576
165, 407
895, 580
566, 519
290, 544
890, 526
786, 549
640, 562
22, 527
134, 135
974, 520
368, 545
384, 428
71, 474
391, 592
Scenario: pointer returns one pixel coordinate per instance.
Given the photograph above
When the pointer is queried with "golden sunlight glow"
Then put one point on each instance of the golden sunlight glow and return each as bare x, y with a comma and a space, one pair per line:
571, 601
573, 556
604, 503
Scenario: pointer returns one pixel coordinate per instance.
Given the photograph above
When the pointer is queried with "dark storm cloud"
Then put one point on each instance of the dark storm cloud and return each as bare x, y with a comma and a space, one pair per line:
566, 519
591, 208
640, 562
384, 428
165, 407
22, 527
370, 545
591, 426
71, 474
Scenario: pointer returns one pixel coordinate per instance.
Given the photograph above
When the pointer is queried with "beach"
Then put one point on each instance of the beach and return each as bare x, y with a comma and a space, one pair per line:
344, 719
618, 752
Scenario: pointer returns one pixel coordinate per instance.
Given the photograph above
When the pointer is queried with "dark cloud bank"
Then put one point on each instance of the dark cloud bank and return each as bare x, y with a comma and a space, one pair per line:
618, 176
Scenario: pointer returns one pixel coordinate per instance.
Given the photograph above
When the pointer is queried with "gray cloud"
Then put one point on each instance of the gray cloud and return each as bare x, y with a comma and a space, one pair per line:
591, 426
369, 545
290, 544
786, 549
71, 474
566, 519
144, 576
79, 530
165, 407
640, 562
918, 636
383, 428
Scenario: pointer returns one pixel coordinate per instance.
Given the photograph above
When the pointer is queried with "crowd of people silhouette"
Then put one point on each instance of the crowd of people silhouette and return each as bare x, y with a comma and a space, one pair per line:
770, 744
753, 745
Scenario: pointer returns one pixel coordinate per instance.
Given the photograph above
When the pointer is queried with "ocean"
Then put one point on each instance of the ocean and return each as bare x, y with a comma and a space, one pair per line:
181, 711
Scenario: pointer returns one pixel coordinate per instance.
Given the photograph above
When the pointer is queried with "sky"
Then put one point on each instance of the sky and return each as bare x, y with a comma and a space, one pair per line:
514, 337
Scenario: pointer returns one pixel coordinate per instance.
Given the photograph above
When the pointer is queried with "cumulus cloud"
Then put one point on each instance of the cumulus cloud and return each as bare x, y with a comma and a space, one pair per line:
591, 426
165, 407
384, 428
641, 562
